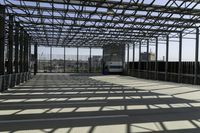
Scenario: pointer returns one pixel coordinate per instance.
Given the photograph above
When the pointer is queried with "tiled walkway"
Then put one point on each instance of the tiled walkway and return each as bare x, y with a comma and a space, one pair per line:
72, 103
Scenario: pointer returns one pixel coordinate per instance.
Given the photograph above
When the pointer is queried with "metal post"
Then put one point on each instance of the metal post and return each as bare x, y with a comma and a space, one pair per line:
196, 57
29, 54
139, 65
180, 58
167, 58
10, 46
21, 51
35, 58
17, 47
90, 61
156, 60
77, 61
64, 60
133, 67
103, 61
147, 63
127, 59
51, 65
2, 39
25, 52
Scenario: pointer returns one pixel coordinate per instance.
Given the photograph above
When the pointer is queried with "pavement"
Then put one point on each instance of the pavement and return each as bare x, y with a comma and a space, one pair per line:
81, 103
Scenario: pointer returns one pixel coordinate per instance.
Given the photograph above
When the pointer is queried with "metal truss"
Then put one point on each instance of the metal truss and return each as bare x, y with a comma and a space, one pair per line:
94, 23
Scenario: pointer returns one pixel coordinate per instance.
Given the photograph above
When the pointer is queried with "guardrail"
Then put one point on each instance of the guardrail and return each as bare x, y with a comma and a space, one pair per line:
172, 77
11, 80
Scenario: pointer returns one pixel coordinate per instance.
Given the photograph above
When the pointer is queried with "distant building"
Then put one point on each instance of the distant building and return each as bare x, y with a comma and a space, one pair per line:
152, 56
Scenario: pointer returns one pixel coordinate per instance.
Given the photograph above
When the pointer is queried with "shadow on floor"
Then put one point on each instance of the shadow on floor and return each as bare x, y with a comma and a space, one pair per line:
78, 104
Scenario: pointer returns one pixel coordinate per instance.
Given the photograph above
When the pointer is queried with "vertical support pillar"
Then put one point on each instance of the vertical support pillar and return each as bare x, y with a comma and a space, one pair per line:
35, 58
2, 39
77, 61
103, 61
10, 46
21, 50
139, 65
167, 58
127, 59
156, 60
25, 52
90, 61
17, 47
133, 65
64, 59
196, 57
51, 65
147, 63
29, 53
180, 58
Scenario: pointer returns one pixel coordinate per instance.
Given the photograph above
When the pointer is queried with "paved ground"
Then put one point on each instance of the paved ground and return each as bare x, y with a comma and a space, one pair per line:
99, 104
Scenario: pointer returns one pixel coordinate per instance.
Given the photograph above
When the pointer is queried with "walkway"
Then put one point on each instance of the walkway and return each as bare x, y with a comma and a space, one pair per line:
72, 103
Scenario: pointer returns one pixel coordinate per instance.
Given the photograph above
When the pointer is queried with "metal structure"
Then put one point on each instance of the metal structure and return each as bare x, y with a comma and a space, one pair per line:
94, 23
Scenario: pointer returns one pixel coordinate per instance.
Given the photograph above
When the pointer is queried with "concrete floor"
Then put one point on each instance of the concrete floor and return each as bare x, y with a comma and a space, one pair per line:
71, 103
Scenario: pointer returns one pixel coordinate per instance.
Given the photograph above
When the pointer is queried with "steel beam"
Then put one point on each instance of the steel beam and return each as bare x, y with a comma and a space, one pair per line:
127, 59
51, 65
64, 59
133, 65
196, 70
29, 53
90, 61
156, 60
25, 52
17, 47
2, 39
35, 58
139, 64
21, 50
167, 57
180, 57
147, 63
10, 46
77, 60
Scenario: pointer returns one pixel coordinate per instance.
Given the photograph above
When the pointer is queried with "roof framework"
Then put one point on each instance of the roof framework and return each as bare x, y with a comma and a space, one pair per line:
94, 23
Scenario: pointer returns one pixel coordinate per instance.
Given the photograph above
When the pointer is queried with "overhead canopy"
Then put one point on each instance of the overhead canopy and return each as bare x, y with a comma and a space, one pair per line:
102, 22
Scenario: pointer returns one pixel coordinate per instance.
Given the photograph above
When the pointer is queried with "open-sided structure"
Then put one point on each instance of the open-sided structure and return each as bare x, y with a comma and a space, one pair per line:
96, 23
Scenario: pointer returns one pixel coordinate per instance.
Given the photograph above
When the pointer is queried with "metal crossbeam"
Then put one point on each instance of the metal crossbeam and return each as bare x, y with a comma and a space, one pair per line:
102, 22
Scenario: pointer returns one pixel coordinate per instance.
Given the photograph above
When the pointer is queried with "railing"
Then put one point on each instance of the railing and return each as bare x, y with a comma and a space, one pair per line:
11, 80
172, 77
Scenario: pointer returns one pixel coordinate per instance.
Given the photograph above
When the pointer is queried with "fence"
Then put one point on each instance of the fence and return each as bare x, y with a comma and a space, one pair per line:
148, 71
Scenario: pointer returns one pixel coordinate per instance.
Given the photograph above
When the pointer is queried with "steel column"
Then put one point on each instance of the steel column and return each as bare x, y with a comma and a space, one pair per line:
35, 58
10, 46
147, 63
2, 39
139, 65
180, 58
167, 58
127, 59
24, 58
51, 65
16, 48
64, 59
25, 52
21, 50
196, 57
29, 53
103, 62
133, 67
156, 60
77, 61
90, 61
